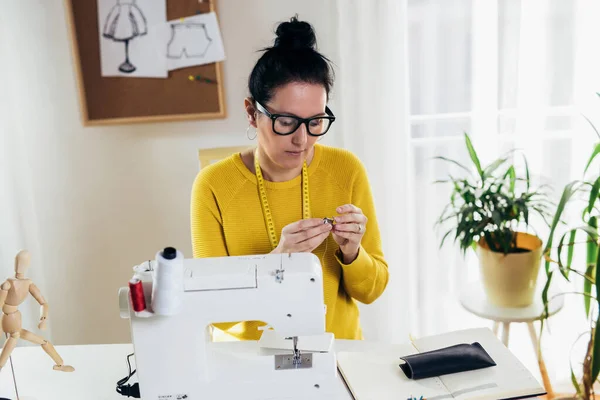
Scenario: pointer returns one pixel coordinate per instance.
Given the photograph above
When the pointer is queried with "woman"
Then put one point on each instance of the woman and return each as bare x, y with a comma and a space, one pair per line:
273, 199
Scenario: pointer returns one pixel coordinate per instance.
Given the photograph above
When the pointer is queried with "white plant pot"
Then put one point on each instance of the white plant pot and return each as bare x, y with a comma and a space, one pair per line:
510, 280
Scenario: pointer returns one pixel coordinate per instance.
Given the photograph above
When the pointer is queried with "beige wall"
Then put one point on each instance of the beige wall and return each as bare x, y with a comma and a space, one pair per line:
108, 198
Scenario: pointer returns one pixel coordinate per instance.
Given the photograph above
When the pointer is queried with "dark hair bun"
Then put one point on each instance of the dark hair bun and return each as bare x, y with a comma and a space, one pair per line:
295, 35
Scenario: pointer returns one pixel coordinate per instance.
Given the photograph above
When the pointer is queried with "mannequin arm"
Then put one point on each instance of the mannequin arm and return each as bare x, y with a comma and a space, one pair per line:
37, 295
3, 293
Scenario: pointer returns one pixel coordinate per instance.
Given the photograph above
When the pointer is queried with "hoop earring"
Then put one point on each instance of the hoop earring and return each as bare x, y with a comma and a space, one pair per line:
248, 133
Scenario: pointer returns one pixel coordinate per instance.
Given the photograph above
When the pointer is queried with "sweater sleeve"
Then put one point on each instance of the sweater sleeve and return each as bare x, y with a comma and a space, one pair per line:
367, 276
208, 238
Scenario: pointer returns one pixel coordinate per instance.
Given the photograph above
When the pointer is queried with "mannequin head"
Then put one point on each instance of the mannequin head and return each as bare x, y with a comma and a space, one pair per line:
22, 263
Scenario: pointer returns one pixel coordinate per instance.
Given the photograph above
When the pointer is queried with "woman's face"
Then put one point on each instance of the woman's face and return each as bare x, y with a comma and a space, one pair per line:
302, 100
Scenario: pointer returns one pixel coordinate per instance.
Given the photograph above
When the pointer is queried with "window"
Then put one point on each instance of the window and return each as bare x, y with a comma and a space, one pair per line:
511, 73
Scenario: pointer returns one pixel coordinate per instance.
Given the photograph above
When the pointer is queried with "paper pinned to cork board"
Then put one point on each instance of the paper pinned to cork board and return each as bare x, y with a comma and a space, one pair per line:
127, 34
192, 41
136, 40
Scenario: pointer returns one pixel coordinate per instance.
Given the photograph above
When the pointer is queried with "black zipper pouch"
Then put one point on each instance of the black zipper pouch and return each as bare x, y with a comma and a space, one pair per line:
449, 360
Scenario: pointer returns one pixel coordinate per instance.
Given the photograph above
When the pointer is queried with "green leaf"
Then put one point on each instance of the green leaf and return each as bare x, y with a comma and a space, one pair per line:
594, 154
444, 238
561, 267
592, 125
596, 351
474, 246
591, 257
574, 381
591, 231
545, 294
497, 218
569, 190
593, 195
473, 155
453, 162
511, 174
493, 167
587, 287
526, 171
571, 248
597, 286
543, 214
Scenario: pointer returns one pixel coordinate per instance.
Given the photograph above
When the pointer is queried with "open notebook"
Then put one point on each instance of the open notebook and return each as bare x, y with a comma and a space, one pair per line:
376, 375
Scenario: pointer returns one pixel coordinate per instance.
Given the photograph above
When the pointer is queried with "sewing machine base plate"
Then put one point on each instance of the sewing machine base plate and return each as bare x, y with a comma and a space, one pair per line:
286, 361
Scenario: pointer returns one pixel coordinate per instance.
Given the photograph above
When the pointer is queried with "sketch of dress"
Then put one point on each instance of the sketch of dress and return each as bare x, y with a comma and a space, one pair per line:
188, 38
124, 22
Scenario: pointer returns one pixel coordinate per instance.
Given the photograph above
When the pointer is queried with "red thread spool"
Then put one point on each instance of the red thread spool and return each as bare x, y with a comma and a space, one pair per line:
137, 295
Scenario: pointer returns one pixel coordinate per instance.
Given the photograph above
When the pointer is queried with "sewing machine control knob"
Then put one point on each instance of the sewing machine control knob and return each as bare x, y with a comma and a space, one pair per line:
169, 253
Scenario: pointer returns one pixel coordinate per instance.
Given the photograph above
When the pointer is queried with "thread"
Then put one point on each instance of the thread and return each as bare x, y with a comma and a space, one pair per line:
138, 299
167, 290
325, 251
143, 272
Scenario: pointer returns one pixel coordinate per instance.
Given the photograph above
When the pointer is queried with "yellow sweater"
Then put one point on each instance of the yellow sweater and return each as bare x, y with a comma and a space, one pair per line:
227, 220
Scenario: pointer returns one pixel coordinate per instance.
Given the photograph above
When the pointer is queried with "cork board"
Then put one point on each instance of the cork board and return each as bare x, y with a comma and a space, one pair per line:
123, 100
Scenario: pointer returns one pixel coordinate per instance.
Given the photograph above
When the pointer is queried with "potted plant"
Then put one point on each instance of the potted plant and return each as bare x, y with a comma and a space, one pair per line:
584, 197
490, 209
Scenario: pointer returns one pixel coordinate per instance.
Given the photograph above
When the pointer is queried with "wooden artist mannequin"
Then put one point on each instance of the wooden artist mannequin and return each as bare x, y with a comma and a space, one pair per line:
13, 292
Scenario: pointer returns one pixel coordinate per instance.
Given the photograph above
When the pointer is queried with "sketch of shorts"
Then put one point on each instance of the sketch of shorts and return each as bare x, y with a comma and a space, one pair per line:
125, 21
189, 38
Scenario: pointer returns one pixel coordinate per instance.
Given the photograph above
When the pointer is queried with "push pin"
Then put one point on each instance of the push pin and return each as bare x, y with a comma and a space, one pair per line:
200, 78
328, 221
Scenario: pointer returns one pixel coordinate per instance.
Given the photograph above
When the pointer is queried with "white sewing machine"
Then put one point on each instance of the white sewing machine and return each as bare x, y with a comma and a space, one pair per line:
176, 358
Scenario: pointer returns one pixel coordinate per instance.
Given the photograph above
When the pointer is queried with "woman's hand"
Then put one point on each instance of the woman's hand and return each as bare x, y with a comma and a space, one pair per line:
303, 236
348, 231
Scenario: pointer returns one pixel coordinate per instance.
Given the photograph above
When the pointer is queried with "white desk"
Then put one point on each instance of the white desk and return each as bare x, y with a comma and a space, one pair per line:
97, 370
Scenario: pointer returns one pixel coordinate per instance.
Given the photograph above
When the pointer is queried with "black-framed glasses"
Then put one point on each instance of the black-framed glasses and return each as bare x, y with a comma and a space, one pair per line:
284, 124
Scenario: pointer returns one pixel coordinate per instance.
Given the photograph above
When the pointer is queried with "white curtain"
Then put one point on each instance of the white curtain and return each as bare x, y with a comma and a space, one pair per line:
18, 221
511, 73
371, 94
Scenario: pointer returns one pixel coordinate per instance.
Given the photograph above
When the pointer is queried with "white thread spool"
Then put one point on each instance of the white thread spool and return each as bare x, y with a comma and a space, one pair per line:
167, 290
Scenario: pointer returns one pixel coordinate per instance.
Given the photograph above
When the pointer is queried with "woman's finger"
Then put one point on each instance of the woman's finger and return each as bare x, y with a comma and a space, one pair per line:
352, 217
314, 242
351, 236
308, 234
302, 225
348, 208
350, 227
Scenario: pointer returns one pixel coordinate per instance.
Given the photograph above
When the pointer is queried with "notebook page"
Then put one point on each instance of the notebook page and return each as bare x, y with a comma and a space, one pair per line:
376, 375
509, 378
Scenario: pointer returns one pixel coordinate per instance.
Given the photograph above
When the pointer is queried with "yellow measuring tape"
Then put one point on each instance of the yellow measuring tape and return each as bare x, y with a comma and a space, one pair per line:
265, 203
